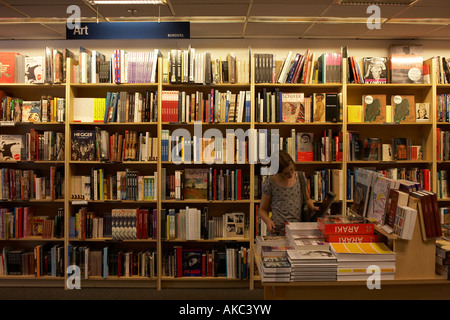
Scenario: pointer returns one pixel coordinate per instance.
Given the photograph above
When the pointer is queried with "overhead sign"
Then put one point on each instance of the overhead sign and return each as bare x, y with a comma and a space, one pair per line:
129, 30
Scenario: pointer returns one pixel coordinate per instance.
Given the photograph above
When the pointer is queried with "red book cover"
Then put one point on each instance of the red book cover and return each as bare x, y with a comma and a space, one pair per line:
239, 185
354, 238
145, 223
7, 67
339, 224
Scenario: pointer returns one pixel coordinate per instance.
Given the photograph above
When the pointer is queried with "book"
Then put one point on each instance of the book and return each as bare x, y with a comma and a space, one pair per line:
305, 146
375, 69
354, 113
291, 105
7, 67
361, 191
400, 149
374, 106
192, 262
362, 252
319, 100
344, 224
406, 63
403, 108
422, 112
396, 198
12, 147
83, 145
195, 183
34, 69
378, 198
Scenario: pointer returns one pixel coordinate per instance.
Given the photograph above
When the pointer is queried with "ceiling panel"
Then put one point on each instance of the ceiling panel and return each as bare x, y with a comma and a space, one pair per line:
276, 29
219, 30
397, 31
361, 11
287, 10
31, 31
218, 9
424, 12
336, 30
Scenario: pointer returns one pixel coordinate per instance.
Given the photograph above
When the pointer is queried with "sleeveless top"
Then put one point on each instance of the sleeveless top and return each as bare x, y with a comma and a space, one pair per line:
286, 202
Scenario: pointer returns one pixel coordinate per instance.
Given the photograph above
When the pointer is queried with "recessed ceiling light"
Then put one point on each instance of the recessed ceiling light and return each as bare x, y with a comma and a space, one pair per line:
377, 2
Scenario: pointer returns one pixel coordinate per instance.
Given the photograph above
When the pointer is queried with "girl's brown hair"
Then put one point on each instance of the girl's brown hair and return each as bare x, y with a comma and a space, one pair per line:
284, 160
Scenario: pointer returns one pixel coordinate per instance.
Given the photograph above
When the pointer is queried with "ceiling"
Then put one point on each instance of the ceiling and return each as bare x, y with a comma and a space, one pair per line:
238, 19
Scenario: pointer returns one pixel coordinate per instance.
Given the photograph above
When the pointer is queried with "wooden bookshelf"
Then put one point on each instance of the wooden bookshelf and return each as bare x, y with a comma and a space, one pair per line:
351, 94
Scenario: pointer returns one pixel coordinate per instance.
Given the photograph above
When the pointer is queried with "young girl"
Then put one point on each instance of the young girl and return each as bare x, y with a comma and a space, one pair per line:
285, 193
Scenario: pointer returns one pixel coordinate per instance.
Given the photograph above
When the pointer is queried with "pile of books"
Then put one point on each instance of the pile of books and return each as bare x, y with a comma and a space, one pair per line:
312, 265
358, 261
346, 228
305, 236
275, 269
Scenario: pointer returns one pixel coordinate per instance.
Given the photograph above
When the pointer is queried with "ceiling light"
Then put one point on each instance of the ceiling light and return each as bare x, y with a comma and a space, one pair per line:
127, 1
377, 2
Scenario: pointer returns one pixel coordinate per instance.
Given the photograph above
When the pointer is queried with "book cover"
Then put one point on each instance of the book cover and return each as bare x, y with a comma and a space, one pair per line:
403, 107
422, 112
195, 183
361, 191
31, 111
234, 225
291, 105
7, 67
354, 113
83, 145
400, 149
305, 146
192, 262
319, 107
374, 107
34, 69
362, 251
12, 147
375, 69
378, 198
406, 63
344, 224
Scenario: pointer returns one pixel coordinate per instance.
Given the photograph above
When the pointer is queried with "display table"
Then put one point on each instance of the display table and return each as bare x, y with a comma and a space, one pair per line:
432, 288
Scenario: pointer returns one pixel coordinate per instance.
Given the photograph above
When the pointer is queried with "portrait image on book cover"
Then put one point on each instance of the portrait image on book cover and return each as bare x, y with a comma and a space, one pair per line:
400, 149
375, 70
422, 112
192, 263
319, 107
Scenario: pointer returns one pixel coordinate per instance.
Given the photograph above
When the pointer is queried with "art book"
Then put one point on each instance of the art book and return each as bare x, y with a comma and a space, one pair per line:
291, 106
12, 147
195, 183
422, 112
83, 145
319, 107
375, 69
400, 149
406, 63
362, 191
344, 224
374, 107
7, 67
305, 146
31, 111
403, 107
34, 69
379, 195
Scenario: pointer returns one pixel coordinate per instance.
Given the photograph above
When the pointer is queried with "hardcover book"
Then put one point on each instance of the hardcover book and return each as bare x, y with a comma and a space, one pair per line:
7, 67
291, 105
195, 183
12, 147
375, 69
305, 146
403, 107
406, 63
344, 224
192, 263
374, 107
35, 69
83, 145
422, 112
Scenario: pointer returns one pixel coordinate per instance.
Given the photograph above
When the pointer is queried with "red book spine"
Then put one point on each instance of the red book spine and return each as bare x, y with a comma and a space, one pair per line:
239, 185
354, 238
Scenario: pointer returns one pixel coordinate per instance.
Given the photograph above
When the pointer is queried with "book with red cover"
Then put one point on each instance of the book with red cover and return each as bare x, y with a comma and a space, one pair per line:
351, 238
7, 67
339, 224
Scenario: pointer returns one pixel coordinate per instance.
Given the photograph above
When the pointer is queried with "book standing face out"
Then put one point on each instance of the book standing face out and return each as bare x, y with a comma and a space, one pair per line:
406, 64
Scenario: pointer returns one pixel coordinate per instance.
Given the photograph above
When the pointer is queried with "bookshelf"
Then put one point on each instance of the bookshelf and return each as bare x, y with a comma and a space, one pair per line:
159, 243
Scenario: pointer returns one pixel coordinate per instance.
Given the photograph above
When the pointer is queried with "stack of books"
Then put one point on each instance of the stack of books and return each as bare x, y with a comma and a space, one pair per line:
275, 269
358, 261
348, 228
305, 236
312, 265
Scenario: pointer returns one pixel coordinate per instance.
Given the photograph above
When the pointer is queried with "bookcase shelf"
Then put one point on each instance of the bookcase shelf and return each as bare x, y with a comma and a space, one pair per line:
351, 94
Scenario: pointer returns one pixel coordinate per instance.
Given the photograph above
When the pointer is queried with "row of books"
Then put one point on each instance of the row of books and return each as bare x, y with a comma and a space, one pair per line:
278, 106
393, 69
191, 66
228, 262
113, 262
443, 258
43, 260
214, 106
47, 109
195, 224
442, 145
117, 107
205, 183
101, 145
119, 224
22, 222
298, 68
121, 185
442, 184
33, 146
18, 184
371, 149
375, 109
